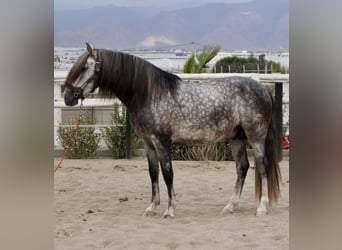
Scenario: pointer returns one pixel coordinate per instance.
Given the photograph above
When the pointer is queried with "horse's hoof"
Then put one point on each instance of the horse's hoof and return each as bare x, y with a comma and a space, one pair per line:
228, 209
150, 213
261, 212
168, 216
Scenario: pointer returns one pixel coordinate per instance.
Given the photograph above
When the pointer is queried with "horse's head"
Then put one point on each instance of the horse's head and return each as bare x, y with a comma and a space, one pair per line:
83, 77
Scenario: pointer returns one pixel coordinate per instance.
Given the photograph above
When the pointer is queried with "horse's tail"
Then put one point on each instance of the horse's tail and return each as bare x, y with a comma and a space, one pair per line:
271, 166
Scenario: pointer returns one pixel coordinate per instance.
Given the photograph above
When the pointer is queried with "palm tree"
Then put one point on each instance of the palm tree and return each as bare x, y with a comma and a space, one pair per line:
198, 63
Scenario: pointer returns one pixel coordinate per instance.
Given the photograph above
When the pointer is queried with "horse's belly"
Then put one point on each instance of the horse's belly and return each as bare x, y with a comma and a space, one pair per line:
203, 136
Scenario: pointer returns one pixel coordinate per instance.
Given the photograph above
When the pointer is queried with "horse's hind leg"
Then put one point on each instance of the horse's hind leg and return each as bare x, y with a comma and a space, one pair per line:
241, 161
153, 167
261, 166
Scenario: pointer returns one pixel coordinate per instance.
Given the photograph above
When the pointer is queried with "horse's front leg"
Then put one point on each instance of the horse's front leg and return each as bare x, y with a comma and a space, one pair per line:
167, 171
153, 167
163, 148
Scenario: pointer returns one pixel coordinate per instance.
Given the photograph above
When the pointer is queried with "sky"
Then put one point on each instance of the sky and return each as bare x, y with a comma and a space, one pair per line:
163, 4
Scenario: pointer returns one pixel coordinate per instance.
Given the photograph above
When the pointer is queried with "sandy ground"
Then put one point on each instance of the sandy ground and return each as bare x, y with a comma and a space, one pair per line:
99, 205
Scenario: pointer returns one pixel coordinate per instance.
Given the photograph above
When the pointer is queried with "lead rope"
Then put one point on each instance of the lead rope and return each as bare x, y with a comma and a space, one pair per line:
71, 140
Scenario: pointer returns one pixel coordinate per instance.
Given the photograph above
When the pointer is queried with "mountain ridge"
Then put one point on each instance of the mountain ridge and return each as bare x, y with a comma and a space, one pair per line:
260, 24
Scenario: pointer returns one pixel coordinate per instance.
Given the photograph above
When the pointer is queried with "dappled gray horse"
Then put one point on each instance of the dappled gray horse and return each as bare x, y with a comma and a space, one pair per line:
164, 110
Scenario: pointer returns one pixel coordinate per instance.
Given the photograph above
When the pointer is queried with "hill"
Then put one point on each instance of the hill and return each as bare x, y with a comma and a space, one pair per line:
260, 24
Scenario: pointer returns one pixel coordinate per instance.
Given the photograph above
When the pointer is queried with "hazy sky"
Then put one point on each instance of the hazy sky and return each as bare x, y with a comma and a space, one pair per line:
80, 4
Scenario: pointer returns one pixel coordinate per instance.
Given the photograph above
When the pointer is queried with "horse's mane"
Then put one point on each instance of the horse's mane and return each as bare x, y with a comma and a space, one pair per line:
135, 81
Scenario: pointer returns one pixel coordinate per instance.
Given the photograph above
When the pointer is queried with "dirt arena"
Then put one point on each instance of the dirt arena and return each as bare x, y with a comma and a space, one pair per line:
99, 204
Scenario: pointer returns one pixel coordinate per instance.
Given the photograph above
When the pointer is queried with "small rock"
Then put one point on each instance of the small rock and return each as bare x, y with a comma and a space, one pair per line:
122, 199
67, 234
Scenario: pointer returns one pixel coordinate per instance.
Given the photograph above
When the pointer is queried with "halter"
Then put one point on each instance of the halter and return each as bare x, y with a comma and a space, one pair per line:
78, 91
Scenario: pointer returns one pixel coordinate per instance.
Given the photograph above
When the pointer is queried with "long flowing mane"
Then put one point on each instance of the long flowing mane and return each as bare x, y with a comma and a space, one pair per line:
133, 80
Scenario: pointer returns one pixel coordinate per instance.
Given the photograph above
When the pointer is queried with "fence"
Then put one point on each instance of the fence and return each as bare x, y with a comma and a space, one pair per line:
101, 109
249, 68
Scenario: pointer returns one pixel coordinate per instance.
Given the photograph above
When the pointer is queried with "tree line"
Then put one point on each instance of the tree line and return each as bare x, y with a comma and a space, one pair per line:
198, 63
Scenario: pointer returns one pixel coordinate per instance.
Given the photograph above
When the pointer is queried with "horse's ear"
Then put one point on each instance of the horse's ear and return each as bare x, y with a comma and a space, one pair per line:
90, 48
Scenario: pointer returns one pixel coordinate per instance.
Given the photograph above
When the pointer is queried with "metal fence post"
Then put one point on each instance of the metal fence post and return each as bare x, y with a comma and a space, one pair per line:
128, 137
278, 117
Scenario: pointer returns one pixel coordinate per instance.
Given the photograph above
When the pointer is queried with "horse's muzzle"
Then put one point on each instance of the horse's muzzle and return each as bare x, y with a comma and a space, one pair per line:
71, 98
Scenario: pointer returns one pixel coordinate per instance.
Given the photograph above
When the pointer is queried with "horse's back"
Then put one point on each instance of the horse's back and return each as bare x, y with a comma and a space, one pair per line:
220, 97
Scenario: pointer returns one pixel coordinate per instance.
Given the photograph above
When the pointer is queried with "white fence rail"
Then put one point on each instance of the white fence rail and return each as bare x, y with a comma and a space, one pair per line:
60, 76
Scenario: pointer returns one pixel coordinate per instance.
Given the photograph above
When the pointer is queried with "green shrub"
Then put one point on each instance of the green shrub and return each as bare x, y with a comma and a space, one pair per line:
219, 151
115, 136
86, 140
251, 65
